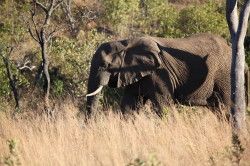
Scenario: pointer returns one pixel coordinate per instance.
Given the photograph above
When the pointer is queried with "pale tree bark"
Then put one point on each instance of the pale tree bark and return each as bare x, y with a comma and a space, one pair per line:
238, 27
39, 32
66, 7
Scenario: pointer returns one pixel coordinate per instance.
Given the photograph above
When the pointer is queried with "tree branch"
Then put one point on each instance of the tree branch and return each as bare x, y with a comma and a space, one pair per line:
57, 4
243, 22
51, 34
35, 27
25, 66
232, 17
32, 35
41, 6
67, 10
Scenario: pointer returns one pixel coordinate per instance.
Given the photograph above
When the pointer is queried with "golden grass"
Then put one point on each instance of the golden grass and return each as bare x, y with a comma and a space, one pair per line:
188, 138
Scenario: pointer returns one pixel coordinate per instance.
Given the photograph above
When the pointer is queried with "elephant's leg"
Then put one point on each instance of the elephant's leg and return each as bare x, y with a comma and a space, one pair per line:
157, 107
136, 95
159, 101
129, 102
222, 91
201, 94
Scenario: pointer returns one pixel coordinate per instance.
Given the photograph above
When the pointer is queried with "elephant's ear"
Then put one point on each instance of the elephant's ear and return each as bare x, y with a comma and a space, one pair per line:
138, 62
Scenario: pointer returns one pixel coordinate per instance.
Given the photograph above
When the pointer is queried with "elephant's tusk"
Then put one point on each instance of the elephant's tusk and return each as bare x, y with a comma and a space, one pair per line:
95, 92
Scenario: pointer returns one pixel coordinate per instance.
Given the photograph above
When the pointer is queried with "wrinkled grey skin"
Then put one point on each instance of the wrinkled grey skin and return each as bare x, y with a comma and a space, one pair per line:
192, 71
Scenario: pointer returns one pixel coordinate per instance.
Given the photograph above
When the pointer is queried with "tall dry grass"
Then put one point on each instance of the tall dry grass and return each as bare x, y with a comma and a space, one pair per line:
187, 137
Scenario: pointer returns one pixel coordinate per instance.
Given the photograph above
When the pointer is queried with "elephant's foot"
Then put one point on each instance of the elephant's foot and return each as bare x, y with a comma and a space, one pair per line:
196, 102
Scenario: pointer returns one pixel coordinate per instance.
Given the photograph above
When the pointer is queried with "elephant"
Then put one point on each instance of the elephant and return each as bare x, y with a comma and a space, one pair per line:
193, 71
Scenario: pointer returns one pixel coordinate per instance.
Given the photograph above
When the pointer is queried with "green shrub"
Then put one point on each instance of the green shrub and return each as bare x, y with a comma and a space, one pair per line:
209, 17
12, 24
158, 18
12, 159
72, 59
58, 87
151, 161
120, 14
13, 31
18, 77
4, 82
247, 49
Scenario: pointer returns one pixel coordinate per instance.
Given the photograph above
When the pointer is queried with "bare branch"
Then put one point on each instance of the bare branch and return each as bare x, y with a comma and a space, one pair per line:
11, 48
32, 35
41, 6
35, 27
57, 4
232, 17
243, 22
25, 66
51, 34
67, 10
90, 15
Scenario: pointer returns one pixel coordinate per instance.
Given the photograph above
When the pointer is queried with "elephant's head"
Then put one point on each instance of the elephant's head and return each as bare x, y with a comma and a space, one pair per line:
120, 63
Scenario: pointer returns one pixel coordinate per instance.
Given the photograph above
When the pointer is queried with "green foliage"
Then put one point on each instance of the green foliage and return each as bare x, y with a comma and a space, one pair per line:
4, 82
12, 158
209, 17
12, 24
158, 18
19, 78
72, 59
152, 161
12, 32
120, 14
247, 49
57, 87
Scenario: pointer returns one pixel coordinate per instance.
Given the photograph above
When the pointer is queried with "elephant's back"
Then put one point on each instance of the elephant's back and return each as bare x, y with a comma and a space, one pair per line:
200, 44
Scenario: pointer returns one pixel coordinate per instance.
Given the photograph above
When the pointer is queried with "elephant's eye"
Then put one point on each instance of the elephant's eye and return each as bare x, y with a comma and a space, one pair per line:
104, 64
102, 69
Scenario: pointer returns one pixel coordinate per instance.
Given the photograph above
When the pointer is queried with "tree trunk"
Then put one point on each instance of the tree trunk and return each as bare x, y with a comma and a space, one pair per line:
238, 90
238, 27
46, 71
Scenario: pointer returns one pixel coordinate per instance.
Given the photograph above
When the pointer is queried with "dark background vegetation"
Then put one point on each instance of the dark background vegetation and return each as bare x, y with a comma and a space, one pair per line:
95, 22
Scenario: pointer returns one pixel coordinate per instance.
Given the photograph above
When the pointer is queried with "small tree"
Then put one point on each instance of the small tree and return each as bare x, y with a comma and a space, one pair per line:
238, 27
12, 35
5, 54
39, 30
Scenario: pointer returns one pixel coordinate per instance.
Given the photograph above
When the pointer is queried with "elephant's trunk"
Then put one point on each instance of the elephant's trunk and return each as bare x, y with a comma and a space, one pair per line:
92, 100
97, 79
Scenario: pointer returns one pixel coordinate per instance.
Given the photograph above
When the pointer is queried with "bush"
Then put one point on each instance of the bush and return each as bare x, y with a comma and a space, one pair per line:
12, 32
71, 61
120, 14
158, 18
209, 17
18, 77
4, 88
